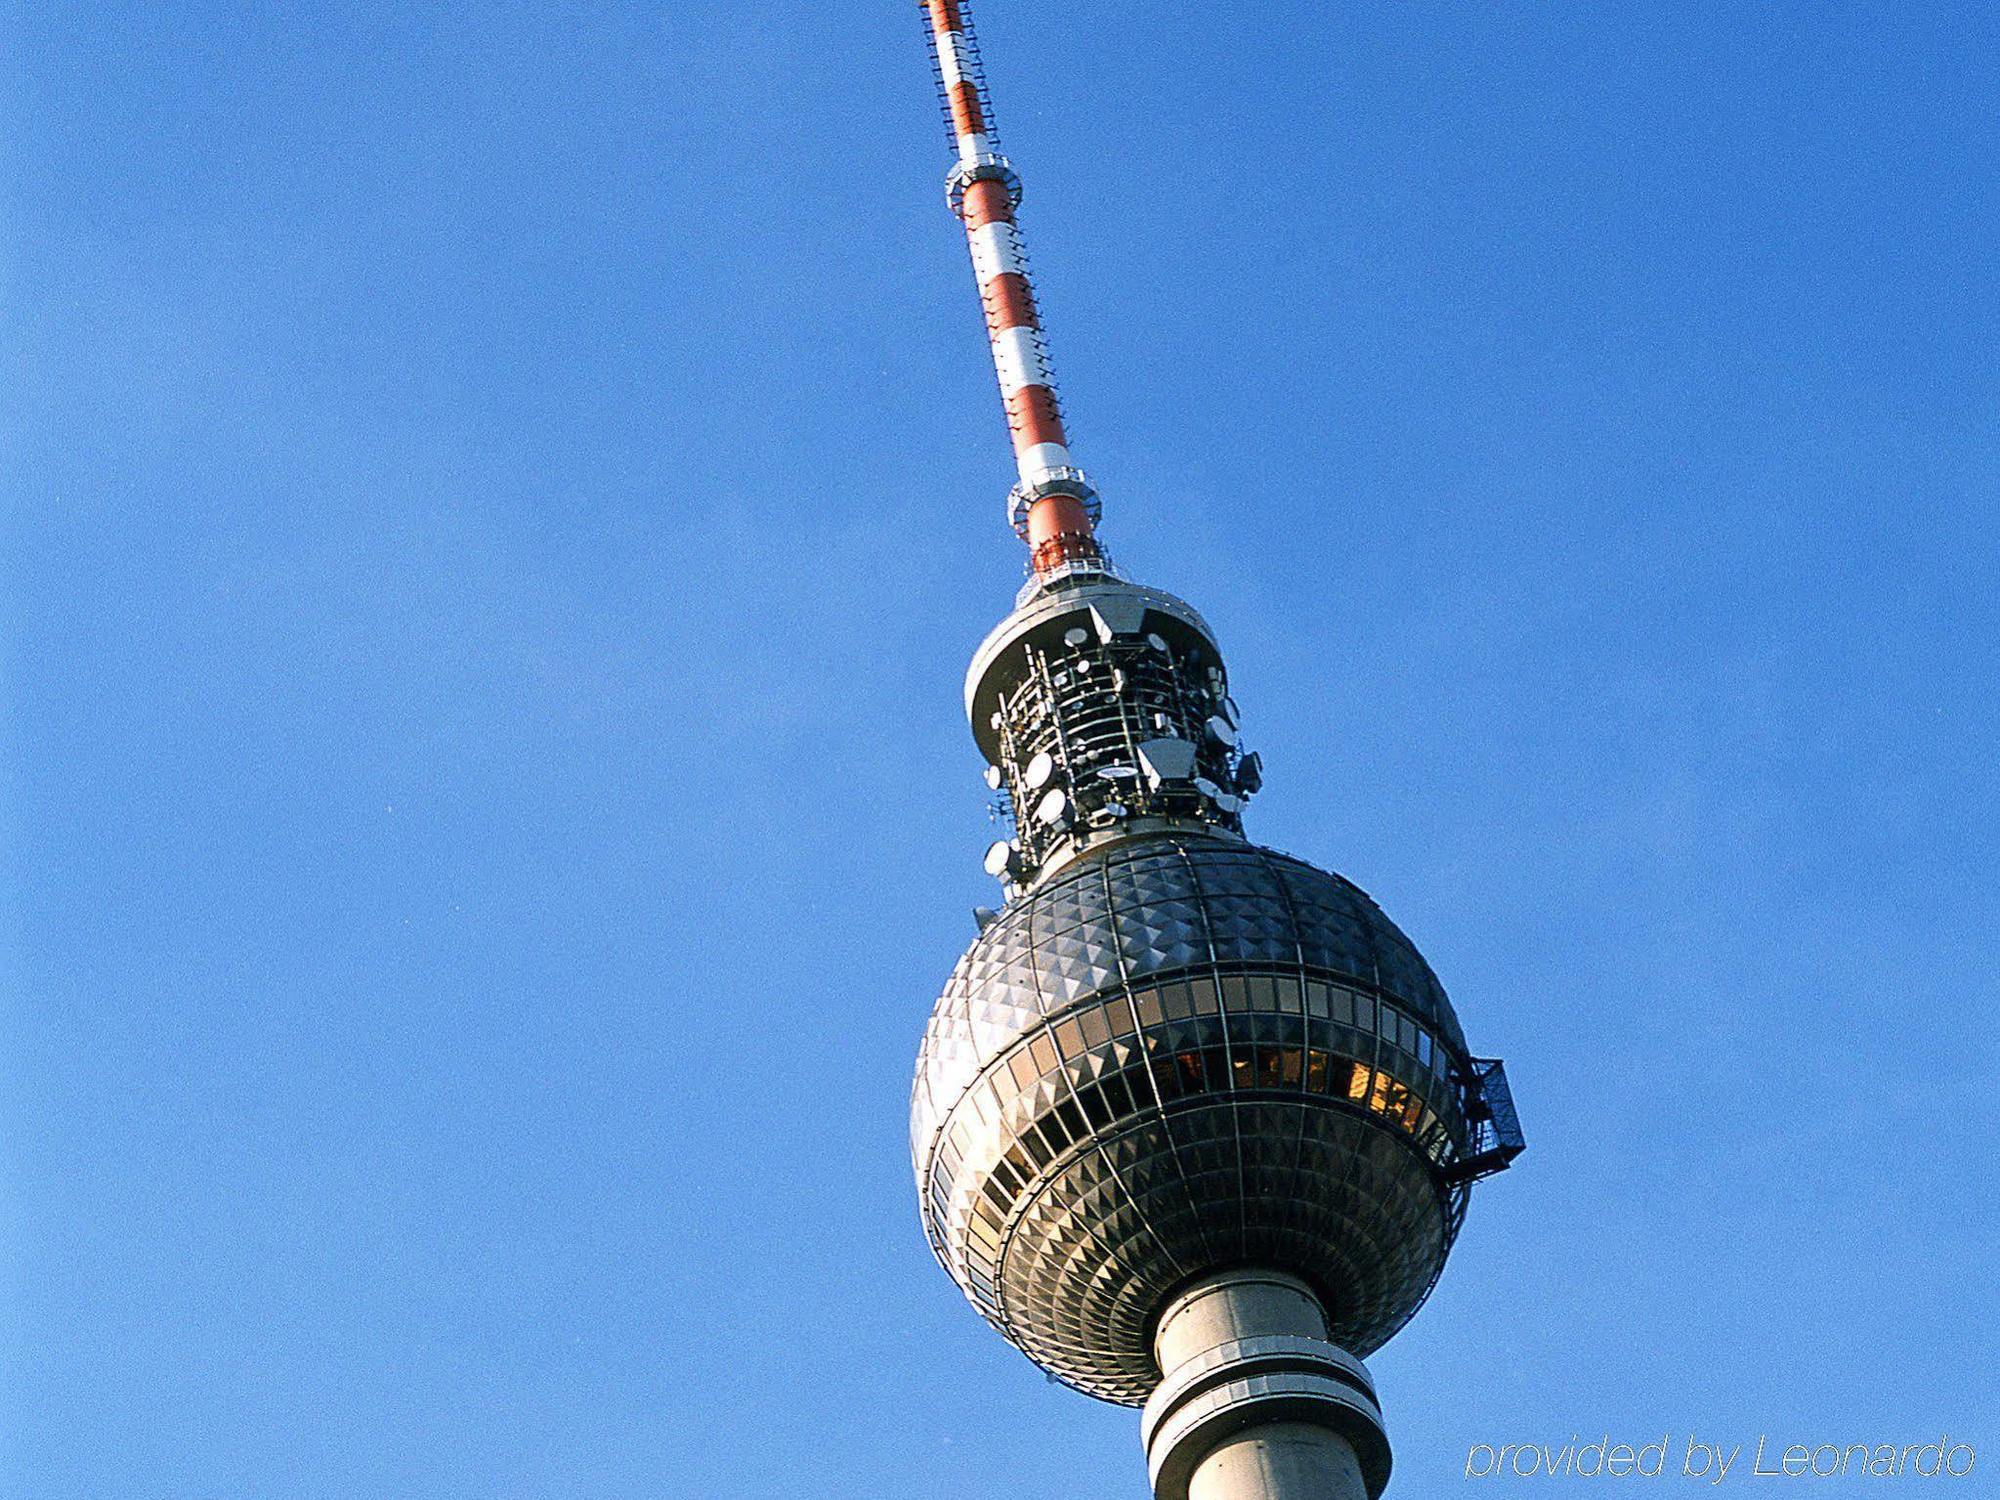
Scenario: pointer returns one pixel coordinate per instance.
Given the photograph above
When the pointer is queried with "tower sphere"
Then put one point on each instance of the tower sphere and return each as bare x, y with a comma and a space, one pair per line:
1181, 1054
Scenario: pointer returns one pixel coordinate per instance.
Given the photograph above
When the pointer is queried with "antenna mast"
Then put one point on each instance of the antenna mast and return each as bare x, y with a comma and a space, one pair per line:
1052, 507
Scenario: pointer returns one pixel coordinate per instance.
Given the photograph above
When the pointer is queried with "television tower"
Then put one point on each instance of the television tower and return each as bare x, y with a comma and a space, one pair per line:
1194, 1124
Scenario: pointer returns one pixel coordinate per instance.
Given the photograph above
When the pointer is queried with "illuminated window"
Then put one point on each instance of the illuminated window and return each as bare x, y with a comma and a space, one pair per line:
1394, 1099
1378, 1098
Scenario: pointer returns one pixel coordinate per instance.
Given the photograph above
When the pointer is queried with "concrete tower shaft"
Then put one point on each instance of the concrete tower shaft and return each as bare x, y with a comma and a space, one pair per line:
1256, 1401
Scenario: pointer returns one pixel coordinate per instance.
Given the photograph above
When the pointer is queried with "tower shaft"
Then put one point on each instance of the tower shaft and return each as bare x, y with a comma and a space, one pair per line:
1052, 506
1255, 1403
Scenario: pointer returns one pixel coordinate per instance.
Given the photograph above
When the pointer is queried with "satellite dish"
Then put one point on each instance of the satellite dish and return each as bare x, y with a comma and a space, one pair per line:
1250, 773
1076, 635
1052, 807
1000, 859
1228, 803
1117, 773
1158, 643
1040, 769
1207, 788
993, 777
1221, 730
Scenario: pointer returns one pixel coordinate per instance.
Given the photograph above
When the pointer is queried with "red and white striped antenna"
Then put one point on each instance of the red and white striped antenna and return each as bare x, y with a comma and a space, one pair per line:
1052, 507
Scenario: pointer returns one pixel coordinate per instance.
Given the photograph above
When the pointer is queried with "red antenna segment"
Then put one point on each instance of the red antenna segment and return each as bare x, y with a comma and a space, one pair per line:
1052, 507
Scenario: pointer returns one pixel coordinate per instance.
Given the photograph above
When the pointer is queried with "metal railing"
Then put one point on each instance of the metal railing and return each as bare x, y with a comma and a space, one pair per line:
1496, 1127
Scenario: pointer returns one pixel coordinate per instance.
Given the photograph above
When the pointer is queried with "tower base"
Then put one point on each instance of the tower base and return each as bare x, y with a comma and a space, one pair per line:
1255, 1403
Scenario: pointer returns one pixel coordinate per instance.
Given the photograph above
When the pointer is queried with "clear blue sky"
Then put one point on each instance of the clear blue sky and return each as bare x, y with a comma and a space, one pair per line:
498, 502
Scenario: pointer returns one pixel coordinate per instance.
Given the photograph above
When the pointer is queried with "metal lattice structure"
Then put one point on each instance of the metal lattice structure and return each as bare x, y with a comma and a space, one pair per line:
1103, 707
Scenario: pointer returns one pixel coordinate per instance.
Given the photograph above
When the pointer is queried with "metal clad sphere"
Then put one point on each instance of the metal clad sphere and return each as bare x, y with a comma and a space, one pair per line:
1182, 1053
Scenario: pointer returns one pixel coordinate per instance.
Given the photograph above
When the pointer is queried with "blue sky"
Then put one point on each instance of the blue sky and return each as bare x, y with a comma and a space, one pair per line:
498, 503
